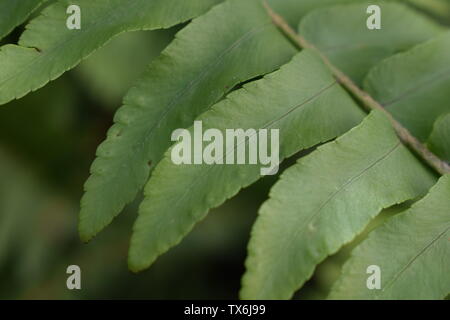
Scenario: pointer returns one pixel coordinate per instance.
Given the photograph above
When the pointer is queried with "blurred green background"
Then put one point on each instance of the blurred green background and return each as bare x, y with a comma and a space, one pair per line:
47, 143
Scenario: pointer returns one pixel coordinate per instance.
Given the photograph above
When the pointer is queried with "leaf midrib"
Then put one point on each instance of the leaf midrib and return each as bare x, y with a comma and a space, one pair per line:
427, 247
351, 180
410, 91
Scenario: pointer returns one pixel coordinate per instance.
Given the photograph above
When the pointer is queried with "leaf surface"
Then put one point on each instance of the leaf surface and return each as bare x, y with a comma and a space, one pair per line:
234, 42
324, 201
48, 48
294, 10
13, 13
302, 100
413, 86
341, 33
412, 251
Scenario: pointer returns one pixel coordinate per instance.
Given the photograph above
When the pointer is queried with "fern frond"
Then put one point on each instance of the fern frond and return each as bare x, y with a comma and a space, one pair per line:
232, 43
302, 100
324, 201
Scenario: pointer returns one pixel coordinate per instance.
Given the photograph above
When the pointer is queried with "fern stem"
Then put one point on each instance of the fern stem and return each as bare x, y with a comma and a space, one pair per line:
367, 101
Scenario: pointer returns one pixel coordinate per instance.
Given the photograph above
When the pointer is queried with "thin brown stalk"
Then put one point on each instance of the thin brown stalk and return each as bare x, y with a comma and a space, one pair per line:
366, 100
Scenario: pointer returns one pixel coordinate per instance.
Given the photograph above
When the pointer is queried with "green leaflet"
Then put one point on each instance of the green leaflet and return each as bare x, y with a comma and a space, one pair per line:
418, 95
13, 13
302, 100
341, 33
439, 140
412, 250
48, 48
233, 42
294, 10
324, 201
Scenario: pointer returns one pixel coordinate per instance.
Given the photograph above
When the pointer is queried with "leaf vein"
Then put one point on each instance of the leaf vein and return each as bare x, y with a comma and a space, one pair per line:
413, 259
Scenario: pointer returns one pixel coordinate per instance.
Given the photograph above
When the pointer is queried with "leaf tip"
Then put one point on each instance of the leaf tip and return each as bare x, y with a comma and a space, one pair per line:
86, 231
135, 264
